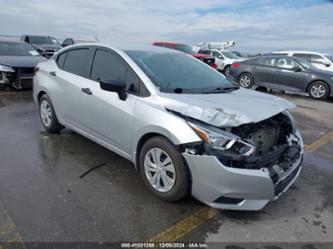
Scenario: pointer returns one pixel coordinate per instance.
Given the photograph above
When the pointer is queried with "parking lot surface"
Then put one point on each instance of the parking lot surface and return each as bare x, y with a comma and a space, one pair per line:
46, 197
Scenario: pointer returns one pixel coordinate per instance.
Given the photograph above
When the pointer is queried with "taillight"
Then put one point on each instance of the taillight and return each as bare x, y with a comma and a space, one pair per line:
36, 69
213, 66
235, 65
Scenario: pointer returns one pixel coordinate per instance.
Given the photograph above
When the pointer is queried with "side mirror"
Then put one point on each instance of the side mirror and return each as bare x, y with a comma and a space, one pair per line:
67, 42
113, 85
297, 69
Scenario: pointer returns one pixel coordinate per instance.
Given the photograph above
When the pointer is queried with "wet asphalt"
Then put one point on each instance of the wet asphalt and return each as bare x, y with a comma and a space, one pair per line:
48, 199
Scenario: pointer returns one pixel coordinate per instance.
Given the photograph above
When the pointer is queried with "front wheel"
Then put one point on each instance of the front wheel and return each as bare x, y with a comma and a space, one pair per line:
246, 80
47, 115
318, 90
163, 169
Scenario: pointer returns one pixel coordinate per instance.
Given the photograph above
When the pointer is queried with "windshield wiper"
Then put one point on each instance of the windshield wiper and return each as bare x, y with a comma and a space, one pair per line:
183, 90
222, 89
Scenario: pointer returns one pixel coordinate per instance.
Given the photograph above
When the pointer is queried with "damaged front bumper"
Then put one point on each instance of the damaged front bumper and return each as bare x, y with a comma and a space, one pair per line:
19, 78
224, 187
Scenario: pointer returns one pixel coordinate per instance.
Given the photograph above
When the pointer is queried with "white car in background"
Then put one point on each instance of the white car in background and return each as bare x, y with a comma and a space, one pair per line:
223, 58
321, 61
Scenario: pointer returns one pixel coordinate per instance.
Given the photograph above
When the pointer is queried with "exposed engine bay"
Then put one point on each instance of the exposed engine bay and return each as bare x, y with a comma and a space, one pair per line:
260, 145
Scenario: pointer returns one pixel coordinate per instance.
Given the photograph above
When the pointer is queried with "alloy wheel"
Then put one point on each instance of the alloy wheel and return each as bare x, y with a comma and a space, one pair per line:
318, 90
245, 81
159, 170
46, 113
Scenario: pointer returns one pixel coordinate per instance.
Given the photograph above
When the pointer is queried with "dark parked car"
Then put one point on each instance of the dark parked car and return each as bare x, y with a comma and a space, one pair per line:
45, 45
17, 64
283, 73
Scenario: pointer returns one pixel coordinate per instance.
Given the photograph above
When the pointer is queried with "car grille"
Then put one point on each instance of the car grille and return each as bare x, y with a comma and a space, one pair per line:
267, 159
25, 71
49, 52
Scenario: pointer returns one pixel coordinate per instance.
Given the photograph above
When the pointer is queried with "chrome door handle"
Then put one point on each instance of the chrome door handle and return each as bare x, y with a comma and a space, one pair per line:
53, 73
87, 91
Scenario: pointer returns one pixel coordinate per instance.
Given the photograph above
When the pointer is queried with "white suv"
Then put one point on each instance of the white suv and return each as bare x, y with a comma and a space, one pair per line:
321, 61
223, 58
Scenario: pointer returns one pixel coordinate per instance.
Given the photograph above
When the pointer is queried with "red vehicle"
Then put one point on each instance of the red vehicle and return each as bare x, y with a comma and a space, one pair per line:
187, 49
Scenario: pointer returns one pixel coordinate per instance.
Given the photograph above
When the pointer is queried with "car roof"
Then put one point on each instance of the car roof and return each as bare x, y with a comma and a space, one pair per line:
296, 51
168, 43
152, 49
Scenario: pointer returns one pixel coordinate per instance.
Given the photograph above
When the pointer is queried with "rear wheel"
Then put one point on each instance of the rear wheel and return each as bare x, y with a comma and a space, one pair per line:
163, 169
318, 90
47, 115
246, 80
227, 70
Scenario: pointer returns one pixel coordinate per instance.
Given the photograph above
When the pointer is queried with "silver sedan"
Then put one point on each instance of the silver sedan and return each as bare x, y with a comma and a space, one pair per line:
186, 128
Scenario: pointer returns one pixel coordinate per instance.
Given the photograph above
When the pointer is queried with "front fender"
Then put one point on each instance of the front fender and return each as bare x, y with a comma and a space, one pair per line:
152, 119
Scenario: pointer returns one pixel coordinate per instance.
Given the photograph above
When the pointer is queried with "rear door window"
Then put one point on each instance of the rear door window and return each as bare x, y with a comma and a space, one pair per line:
286, 63
266, 61
316, 58
77, 62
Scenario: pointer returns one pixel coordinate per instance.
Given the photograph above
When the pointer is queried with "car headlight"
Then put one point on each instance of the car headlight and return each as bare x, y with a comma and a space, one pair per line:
6, 69
40, 50
219, 139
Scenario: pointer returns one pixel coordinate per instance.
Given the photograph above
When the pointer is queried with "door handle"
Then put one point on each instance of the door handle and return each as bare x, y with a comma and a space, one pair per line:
87, 91
53, 73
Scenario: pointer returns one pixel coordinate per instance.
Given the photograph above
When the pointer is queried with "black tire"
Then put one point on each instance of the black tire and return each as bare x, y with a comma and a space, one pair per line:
181, 187
246, 80
262, 89
226, 70
318, 90
53, 126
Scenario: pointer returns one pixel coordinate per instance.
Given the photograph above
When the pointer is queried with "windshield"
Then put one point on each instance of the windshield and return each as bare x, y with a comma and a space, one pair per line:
330, 57
180, 73
307, 65
184, 48
18, 49
229, 55
43, 40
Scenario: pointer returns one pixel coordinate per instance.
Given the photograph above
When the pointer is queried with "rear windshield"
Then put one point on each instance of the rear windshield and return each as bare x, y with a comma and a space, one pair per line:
229, 55
18, 49
173, 71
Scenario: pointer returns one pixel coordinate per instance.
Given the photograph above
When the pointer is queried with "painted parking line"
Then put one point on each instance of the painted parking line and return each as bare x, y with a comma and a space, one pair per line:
9, 93
185, 226
196, 219
9, 232
327, 137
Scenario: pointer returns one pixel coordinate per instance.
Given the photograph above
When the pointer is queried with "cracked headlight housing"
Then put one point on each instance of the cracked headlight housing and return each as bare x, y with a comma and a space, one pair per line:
6, 69
221, 140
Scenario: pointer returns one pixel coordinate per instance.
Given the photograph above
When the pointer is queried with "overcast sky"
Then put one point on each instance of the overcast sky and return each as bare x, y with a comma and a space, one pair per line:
260, 25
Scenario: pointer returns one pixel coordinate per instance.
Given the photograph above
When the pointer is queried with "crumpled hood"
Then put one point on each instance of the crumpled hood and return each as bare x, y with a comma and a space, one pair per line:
21, 61
226, 109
